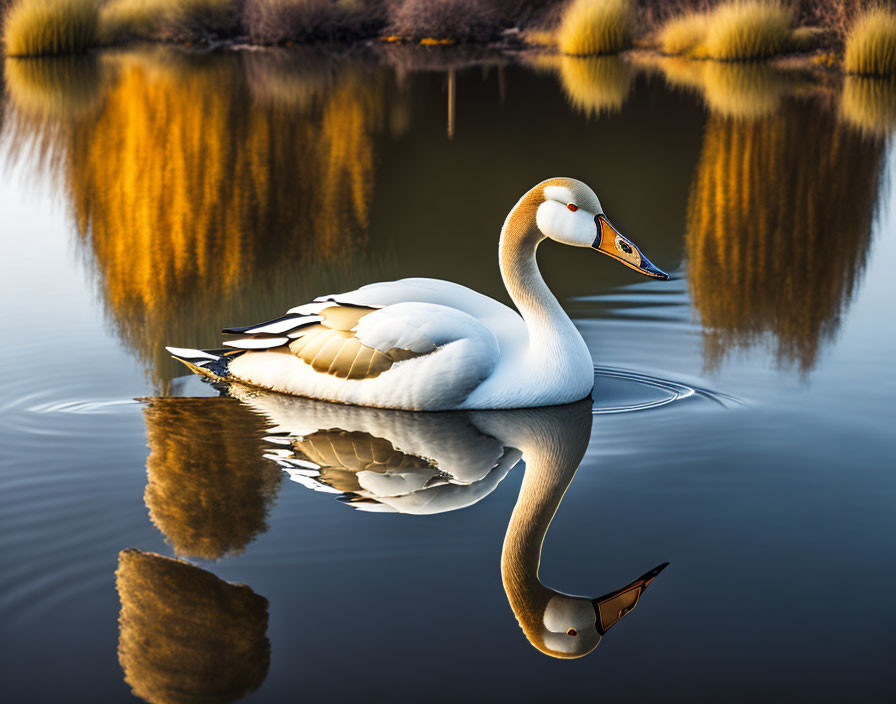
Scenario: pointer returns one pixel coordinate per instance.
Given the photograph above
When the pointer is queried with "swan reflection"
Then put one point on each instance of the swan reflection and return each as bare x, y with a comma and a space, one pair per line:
186, 636
426, 463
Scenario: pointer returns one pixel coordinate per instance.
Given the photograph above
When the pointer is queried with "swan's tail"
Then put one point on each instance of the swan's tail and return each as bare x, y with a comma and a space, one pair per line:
209, 363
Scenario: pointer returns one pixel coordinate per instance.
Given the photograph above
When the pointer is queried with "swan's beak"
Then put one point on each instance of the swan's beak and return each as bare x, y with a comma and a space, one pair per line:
612, 607
610, 242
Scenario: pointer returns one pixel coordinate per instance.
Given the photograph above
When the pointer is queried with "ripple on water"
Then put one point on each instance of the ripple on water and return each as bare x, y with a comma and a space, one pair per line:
628, 391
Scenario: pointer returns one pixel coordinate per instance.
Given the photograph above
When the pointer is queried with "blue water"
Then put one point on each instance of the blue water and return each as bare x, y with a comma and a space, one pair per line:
748, 442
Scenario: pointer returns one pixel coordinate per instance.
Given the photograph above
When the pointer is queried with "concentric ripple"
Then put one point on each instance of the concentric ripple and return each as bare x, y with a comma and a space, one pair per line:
627, 391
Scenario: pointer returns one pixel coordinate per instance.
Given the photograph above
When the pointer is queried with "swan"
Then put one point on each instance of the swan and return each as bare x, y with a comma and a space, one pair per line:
425, 463
430, 345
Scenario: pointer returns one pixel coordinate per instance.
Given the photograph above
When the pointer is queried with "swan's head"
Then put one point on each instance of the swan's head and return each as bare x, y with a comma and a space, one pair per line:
570, 213
565, 626
568, 628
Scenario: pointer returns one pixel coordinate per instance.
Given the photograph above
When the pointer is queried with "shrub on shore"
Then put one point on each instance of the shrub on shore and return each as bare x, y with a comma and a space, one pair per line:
182, 20
461, 20
748, 29
48, 27
279, 21
595, 27
683, 34
871, 44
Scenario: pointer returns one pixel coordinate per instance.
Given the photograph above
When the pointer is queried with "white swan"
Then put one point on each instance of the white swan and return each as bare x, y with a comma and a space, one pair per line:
427, 344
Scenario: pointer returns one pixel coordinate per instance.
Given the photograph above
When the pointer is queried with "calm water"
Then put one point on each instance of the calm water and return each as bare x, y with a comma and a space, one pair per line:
741, 426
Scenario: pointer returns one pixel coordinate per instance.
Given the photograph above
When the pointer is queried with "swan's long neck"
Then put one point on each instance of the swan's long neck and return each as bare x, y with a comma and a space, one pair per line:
552, 334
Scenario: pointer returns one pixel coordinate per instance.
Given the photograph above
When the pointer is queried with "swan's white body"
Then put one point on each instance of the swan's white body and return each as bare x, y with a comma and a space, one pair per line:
483, 354
443, 345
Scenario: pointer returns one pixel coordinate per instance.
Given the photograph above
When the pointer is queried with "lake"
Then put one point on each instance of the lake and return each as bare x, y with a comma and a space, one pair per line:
741, 426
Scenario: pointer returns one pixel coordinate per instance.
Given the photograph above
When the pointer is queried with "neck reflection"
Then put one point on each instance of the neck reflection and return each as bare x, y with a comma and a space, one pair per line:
425, 463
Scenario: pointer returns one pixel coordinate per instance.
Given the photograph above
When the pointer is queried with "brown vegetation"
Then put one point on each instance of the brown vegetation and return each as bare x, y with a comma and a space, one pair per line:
49, 27
596, 27
279, 21
871, 44
164, 20
185, 636
467, 20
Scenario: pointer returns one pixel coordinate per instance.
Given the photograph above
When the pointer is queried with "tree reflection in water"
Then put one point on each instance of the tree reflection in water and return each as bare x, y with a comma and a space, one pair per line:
209, 490
780, 218
204, 193
186, 636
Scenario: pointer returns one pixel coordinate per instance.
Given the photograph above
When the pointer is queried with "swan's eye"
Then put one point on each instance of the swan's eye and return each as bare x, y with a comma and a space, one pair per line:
572, 207
572, 632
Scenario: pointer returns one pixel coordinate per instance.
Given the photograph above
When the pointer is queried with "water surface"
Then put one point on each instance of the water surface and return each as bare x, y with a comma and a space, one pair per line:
740, 427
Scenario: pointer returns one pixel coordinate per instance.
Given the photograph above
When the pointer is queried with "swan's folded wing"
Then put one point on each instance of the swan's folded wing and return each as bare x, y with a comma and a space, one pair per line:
360, 342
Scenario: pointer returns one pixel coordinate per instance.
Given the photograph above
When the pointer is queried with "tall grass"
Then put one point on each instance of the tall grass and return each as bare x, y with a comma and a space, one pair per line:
47, 27
167, 20
684, 33
871, 44
748, 29
595, 27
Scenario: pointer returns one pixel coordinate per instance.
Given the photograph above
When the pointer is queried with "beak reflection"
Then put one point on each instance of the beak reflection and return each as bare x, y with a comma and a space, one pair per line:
611, 607
611, 242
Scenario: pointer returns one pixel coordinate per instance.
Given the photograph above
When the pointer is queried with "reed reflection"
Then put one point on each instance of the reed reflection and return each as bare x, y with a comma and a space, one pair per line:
48, 99
186, 636
869, 104
594, 86
780, 218
207, 193
426, 463
209, 490
746, 91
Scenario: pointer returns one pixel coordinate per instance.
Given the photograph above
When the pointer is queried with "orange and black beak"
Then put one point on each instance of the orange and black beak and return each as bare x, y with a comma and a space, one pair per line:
610, 242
